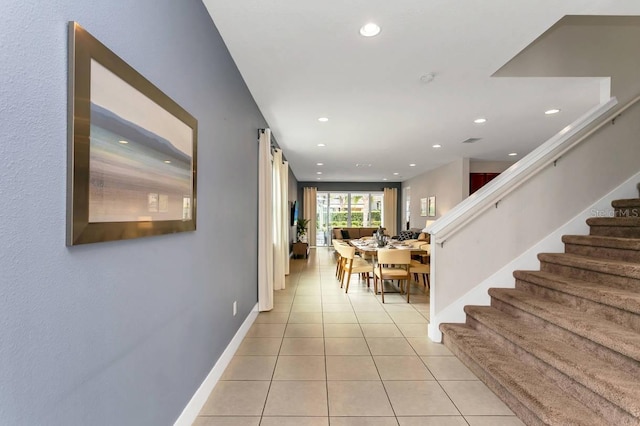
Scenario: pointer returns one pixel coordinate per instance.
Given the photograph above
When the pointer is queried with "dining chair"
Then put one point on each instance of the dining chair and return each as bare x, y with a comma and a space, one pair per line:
393, 264
339, 260
353, 265
420, 269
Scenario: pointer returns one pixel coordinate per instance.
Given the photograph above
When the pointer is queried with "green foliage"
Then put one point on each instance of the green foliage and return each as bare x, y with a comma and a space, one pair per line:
340, 219
302, 226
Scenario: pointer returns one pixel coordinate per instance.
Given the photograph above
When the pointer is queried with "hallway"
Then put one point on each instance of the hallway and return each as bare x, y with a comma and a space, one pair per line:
325, 358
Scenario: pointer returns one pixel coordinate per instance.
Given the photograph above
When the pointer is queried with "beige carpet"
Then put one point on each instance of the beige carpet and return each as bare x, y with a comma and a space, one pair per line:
563, 347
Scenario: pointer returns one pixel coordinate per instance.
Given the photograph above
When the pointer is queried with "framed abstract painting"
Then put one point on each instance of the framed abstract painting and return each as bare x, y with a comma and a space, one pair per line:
423, 206
132, 153
431, 206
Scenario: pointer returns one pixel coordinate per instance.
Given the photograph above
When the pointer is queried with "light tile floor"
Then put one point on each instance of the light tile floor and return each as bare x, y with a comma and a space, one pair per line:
322, 357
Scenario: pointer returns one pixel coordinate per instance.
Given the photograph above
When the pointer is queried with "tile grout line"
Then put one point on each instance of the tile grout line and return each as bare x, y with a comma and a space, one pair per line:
324, 349
313, 273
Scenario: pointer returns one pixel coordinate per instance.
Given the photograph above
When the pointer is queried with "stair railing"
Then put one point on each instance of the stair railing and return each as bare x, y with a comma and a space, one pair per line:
549, 152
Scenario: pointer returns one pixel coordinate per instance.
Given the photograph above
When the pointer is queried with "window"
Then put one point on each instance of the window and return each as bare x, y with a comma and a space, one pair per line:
347, 209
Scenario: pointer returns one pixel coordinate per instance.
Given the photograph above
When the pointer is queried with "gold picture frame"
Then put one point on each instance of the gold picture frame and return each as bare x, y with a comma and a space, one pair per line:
132, 150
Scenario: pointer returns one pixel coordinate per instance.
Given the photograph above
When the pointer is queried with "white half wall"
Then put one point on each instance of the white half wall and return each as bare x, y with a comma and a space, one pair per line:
525, 217
529, 259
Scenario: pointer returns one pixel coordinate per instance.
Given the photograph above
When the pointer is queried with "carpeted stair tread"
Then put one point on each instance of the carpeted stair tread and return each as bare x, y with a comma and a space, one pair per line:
611, 382
626, 203
601, 241
543, 398
596, 292
614, 221
603, 332
606, 266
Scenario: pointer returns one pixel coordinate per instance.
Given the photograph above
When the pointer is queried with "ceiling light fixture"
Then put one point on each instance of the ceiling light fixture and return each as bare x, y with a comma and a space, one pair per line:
480, 120
323, 119
318, 173
167, 161
552, 111
437, 146
396, 173
321, 145
370, 30
319, 164
123, 142
385, 179
513, 154
412, 165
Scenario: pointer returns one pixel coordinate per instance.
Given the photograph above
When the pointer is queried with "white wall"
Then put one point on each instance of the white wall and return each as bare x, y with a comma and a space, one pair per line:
585, 46
534, 210
480, 166
449, 184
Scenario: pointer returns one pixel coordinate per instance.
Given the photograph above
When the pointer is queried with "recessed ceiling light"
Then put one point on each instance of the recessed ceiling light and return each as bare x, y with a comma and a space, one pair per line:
319, 164
385, 179
437, 146
123, 142
412, 165
321, 144
396, 174
552, 111
318, 173
480, 120
323, 119
513, 154
319, 178
370, 30
167, 161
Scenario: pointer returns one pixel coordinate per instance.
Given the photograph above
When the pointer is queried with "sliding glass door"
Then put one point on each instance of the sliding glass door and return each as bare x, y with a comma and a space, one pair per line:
346, 209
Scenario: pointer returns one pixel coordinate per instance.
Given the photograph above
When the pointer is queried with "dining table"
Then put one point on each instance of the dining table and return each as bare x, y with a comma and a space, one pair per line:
371, 247
368, 248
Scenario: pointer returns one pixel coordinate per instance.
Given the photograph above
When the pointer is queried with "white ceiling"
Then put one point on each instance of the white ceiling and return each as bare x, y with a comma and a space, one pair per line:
306, 59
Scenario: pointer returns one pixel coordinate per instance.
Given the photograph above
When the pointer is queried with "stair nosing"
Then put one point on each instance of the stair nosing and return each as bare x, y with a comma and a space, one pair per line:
485, 315
631, 244
594, 264
626, 202
621, 222
573, 287
580, 330
548, 398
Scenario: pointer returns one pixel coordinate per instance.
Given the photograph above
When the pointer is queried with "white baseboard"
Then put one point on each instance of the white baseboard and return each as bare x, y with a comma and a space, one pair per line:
198, 400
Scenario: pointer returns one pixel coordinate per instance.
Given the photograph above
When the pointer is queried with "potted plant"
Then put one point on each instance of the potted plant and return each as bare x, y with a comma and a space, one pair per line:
302, 229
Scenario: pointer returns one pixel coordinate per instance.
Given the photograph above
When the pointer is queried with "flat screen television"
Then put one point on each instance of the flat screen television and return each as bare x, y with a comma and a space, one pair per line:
294, 213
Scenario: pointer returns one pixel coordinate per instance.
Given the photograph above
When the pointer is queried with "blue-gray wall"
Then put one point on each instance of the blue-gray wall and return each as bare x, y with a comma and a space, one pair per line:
119, 333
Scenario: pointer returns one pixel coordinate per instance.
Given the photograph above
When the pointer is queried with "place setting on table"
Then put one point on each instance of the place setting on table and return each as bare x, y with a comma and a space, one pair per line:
380, 242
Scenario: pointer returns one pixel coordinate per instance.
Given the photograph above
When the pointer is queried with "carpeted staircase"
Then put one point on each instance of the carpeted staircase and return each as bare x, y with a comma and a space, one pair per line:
563, 347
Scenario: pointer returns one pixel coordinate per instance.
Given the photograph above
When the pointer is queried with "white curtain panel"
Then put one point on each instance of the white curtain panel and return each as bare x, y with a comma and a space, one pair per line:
390, 211
280, 216
265, 223
284, 185
309, 212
